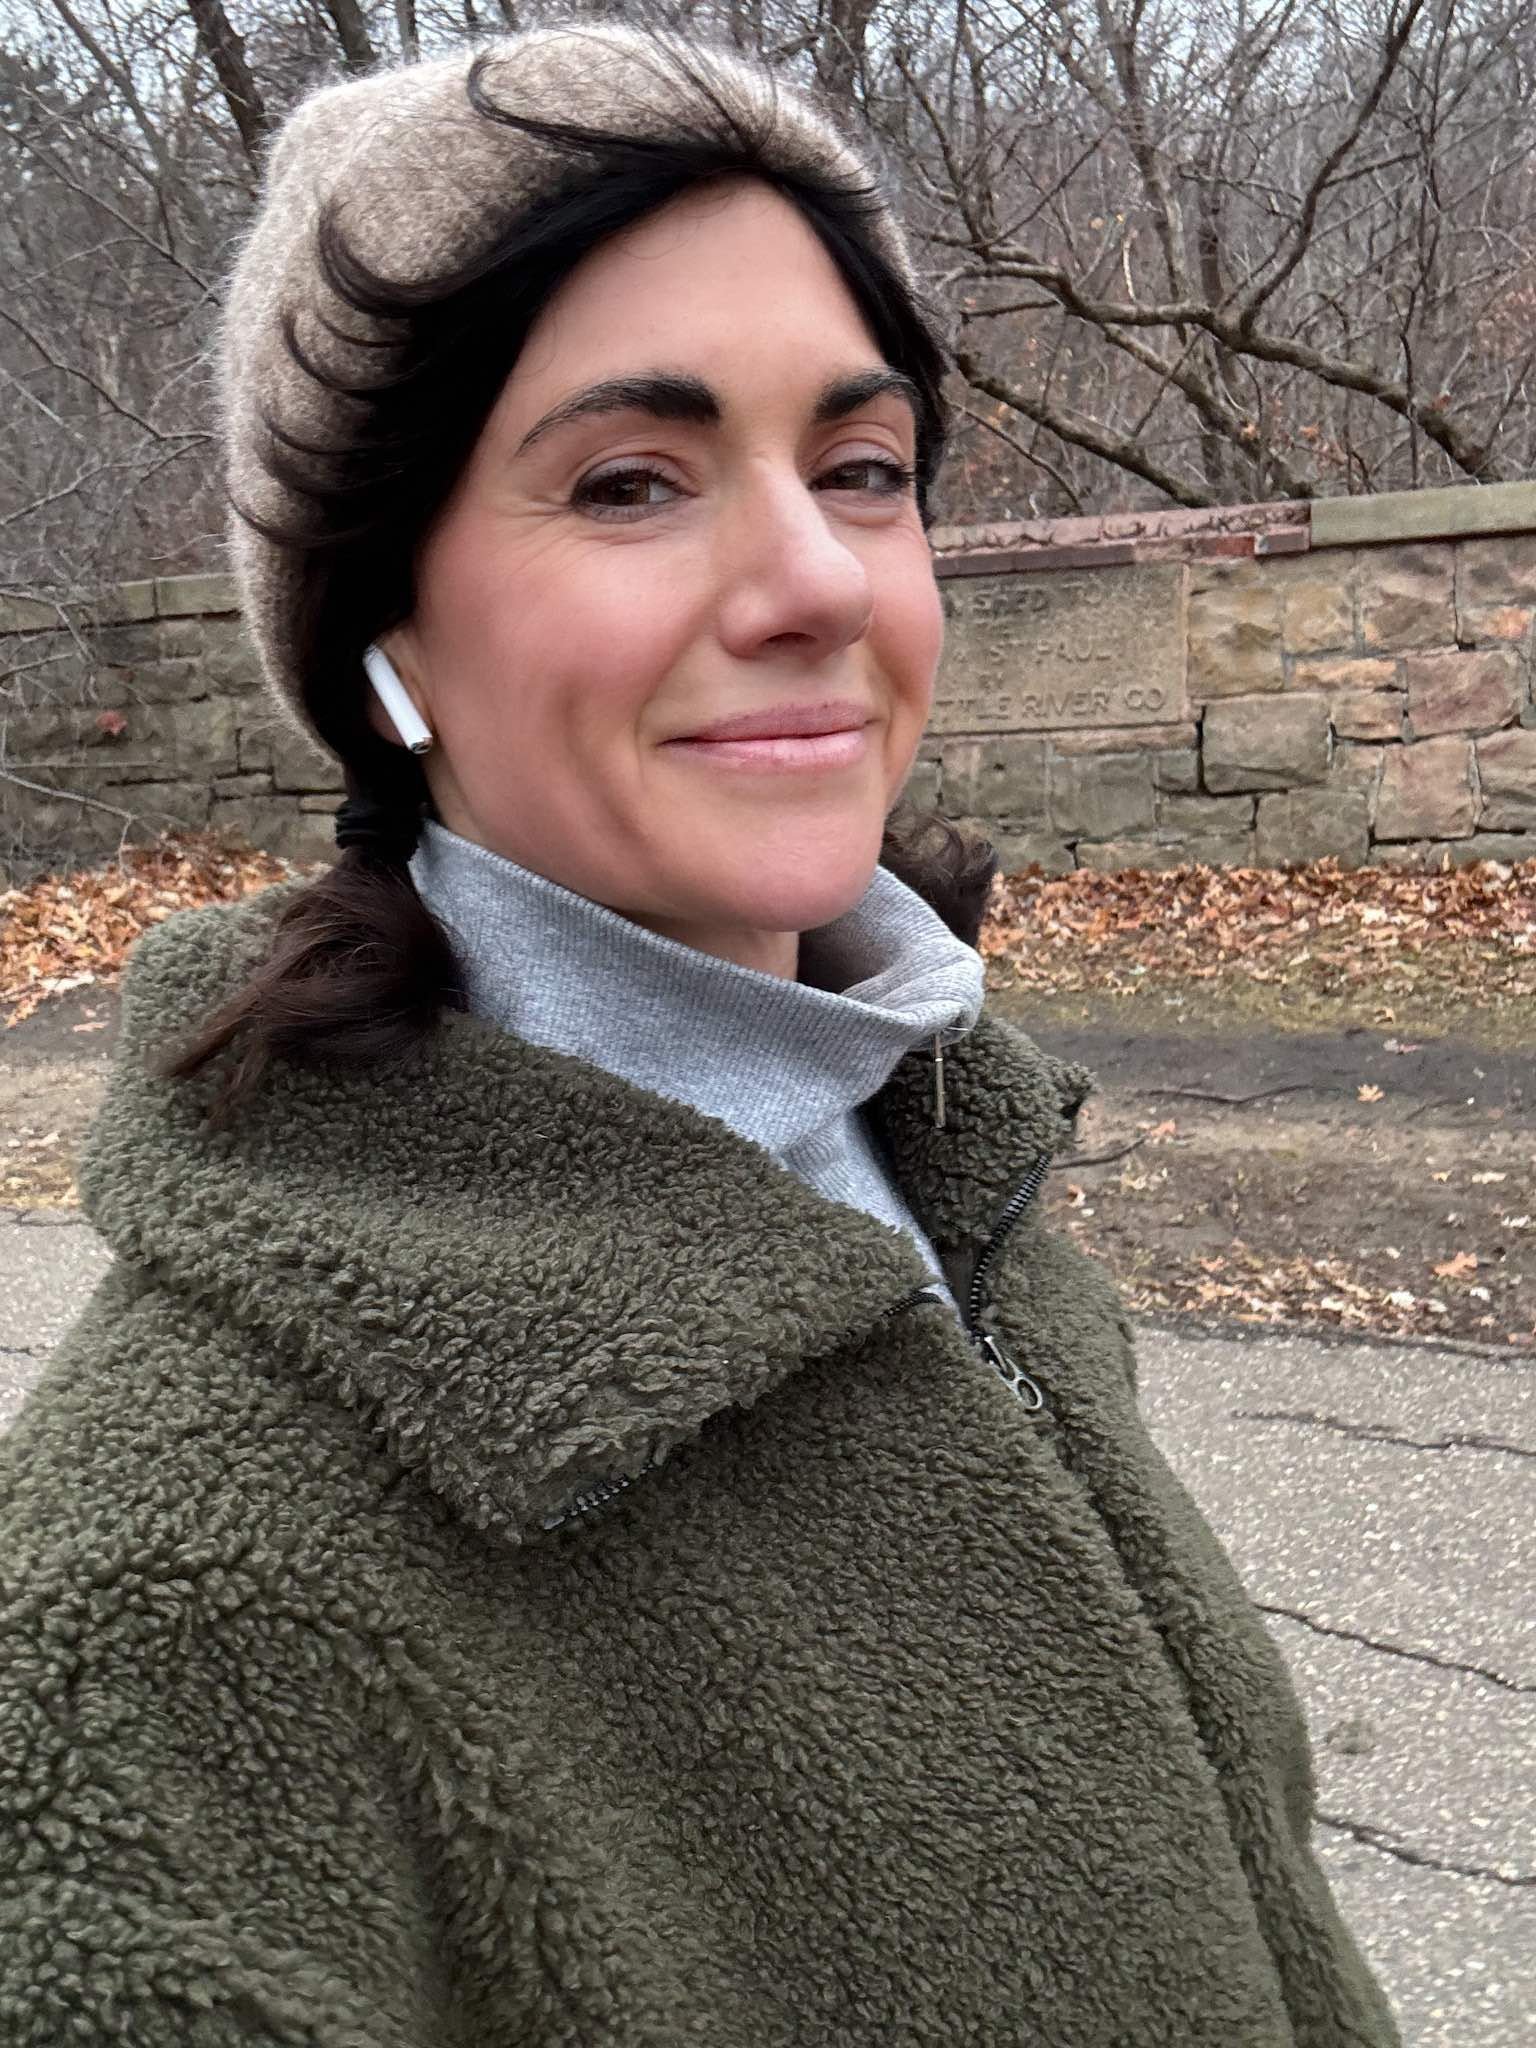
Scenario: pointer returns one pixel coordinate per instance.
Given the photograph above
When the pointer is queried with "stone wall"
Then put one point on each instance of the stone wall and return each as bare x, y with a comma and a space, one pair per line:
1249, 686
143, 712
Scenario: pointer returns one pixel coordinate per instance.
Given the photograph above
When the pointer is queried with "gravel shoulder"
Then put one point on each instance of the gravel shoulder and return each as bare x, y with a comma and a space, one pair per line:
53, 1068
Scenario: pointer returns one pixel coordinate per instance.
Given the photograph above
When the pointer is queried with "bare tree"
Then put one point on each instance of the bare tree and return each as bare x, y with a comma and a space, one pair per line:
225, 51
1226, 249
1189, 250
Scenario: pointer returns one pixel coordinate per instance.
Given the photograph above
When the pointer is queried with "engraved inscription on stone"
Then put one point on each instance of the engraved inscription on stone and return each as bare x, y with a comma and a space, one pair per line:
1048, 649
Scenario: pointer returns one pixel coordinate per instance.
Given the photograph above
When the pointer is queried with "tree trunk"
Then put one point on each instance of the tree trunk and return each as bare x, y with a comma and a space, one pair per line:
225, 51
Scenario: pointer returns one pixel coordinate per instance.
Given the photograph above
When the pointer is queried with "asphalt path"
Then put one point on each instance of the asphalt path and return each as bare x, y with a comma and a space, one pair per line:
1379, 1500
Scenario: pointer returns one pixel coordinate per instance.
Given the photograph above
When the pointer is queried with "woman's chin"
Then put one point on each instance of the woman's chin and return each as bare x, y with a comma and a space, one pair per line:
790, 889
769, 904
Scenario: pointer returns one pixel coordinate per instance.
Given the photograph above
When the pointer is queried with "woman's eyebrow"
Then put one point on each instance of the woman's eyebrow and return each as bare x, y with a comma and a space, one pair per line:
668, 395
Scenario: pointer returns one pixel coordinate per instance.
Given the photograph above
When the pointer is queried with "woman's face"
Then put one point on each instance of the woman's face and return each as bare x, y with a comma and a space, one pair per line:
691, 504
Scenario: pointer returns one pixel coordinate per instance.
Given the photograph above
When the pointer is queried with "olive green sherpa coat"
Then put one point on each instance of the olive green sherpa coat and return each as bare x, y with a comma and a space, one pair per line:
877, 1708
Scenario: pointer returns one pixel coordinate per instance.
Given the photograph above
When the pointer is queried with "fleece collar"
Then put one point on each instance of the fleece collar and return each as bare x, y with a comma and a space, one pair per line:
528, 1274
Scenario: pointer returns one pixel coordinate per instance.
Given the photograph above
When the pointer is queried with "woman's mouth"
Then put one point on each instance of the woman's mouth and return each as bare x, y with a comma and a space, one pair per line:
780, 751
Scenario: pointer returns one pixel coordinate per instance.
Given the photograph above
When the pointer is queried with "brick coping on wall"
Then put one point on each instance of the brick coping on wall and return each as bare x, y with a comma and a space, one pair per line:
207, 594
1211, 533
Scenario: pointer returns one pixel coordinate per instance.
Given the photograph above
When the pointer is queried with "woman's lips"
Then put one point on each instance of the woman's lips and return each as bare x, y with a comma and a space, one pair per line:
819, 750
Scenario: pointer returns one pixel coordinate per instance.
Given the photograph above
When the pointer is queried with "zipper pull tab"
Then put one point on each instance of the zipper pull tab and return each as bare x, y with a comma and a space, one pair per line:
1013, 1375
938, 1082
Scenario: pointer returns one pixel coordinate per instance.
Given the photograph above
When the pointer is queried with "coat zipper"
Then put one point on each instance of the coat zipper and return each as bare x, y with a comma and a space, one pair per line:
996, 1353
1009, 1371
595, 1496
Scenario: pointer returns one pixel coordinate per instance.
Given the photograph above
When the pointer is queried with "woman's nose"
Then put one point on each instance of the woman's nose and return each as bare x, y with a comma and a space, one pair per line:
787, 580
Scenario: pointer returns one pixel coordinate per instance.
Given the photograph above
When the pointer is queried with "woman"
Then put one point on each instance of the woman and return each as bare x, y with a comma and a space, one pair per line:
588, 1508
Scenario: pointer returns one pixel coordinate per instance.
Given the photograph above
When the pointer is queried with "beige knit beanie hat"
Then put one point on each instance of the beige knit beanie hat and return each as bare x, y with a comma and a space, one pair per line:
425, 181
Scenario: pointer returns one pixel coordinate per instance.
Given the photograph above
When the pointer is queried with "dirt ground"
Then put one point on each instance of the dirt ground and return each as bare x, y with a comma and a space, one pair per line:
52, 1071
1362, 1177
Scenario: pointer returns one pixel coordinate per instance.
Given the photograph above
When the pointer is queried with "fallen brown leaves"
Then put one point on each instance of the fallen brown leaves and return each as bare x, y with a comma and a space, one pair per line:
1256, 1288
1114, 933
1085, 932
1367, 939
1463, 1297
1382, 1253
67, 931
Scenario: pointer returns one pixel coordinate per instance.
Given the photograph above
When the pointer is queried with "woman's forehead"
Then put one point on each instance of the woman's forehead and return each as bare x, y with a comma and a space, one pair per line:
717, 288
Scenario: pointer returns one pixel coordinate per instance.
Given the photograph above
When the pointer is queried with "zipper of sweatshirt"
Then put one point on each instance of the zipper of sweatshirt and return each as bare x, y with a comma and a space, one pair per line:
996, 1353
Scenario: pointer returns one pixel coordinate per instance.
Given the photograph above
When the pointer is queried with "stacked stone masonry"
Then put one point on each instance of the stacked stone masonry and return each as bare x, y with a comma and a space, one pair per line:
1236, 687
1230, 688
142, 712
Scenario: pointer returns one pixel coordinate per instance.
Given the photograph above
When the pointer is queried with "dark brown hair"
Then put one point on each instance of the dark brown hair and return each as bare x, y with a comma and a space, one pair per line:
359, 969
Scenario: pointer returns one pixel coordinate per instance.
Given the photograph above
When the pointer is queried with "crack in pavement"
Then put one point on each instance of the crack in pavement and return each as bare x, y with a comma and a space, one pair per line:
1350, 1635
1379, 1839
1368, 1433
1213, 1329
20, 1351
41, 1219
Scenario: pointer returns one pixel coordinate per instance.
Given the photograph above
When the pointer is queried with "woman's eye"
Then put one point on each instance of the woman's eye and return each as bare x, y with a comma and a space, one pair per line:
873, 476
619, 494
624, 493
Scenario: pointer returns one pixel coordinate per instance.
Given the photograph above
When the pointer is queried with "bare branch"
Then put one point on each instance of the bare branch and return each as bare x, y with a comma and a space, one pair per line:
1246, 340
111, 398
1119, 449
1032, 456
1258, 293
226, 53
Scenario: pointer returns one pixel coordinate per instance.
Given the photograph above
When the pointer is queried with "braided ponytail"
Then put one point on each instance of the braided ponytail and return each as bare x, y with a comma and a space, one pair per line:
358, 969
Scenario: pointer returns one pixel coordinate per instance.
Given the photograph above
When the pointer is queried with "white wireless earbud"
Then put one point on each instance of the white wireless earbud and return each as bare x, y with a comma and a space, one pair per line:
407, 720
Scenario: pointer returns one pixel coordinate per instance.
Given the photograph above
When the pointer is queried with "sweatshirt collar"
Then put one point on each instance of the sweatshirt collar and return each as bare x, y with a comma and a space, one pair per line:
775, 1059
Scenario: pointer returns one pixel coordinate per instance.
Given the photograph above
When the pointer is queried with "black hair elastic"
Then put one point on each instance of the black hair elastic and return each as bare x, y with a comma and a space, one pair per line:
389, 831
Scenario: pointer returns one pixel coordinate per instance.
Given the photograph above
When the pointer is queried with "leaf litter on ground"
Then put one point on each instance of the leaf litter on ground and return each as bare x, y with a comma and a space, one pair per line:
69, 931
1377, 936
1085, 932
1117, 933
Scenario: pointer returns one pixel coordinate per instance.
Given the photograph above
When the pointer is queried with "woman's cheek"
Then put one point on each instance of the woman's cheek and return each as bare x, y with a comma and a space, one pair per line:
915, 636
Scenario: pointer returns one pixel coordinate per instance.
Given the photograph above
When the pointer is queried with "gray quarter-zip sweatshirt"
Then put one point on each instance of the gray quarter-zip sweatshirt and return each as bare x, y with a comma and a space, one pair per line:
785, 1063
